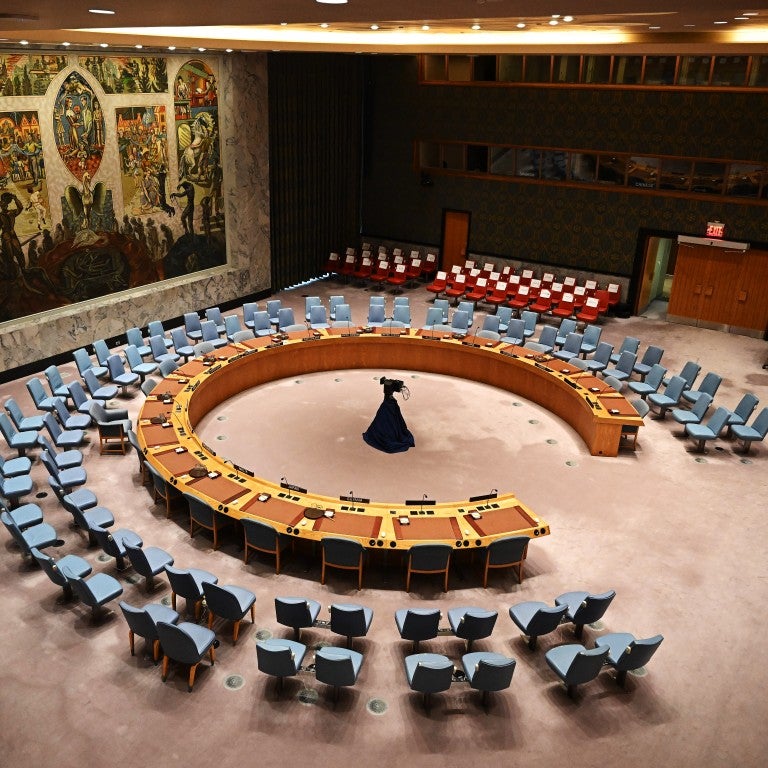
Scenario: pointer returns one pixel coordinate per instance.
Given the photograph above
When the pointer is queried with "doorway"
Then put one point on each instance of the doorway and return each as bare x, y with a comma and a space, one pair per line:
659, 260
455, 240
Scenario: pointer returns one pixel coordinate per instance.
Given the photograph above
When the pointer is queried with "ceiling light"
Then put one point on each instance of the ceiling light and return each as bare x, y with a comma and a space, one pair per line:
567, 18
283, 23
741, 18
654, 27
425, 27
228, 50
171, 47
553, 22
719, 22
23, 42
555, 15
138, 45
66, 45
202, 50
103, 11
324, 25
475, 26
751, 13
689, 25
520, 25
374, 27
103, 45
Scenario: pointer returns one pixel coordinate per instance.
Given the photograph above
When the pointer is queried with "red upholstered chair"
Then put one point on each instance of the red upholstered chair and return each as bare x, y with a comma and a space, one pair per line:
614, 294
557, 292
456, 286
521, 299
429, 265
381, 274
565, 306
579, 297
333, 263
439, 284
399, 276
547, 279
590, 312
413, 271
590, 286
604, 299
526, 276
363, 272
534, 288
543, 303
478, 293
348, 266
498, 294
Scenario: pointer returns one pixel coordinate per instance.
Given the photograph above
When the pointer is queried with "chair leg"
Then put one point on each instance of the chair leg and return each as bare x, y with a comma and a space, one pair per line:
173, 600
130, 641
155, 651
164, 672
191, 681
235, 631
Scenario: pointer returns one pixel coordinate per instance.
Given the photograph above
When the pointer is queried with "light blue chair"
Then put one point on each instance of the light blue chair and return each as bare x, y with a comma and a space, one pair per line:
143, 622
754, 432
417, 624
471, 623
273, 309
444, 306
650, 383
280, 658
84, 363
37, 536
261, 324
741, 413
188, 583
535, 619
56, 382
39, 397
213, 315
285, 318
318, 317
296, 612
337, 667
52, 568
230, 603
624, 367
626, 653
101, 348
546, 340
185, 643
309, 302
119, 375
504, 314
488, 672
693, 415
652, 356
584, 608
376, 315
95, 592
155, 328
530, 319
62, 438
192, 326
571, 348
250, 308
161, 353
669, 398
137, 364
630, 344
211, 333
231, 327
703, 433
19, 441
689, 372
148, 562
350, 620
599, 361
95, 389
592, 334
428, 673
134, 337
575, 665
333, 303
567, 325
460, 322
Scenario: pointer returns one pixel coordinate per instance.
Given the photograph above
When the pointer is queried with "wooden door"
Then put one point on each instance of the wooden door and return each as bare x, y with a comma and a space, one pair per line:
690, 278
718, 295
751, 309
649, 267
455, 238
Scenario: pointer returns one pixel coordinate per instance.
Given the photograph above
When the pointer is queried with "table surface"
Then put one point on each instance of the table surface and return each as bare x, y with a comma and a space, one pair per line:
596, 411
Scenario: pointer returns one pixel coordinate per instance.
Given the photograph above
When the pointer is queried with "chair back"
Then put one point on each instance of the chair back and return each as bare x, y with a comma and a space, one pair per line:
760, 424
593, 607
444, 307
106, 541
630, 344
36, 391
138, 559
155, 328
701, 406
546, 620
434, 317
318, 315
293, 612
285, 317
429, 557
276, 659
690, 372
91, 383
177, 644
420, 624
54, 379
655, 376
652, 355
343, 313
309, 302
102, 350
516, 330
210, 331
199, 511
61, 410
460, 321
626, 362
261, 322
48, 564
718, 420
376, 313
139, 621
432, 676
342, 552
7, 428
82, 360
476, 623
402, 314
493, 674
192, 323
335, 666
491, 323
54, 430
183, 583
49, 464
674, 390
250, 308
548, 335
273, 307
585, 666
15, 412
260, 535
592, 335
232, 325
221, 602
567, 325
81, 588
603, 352
573, 343
214, 315
530, 319
132, 356
741, 412
157, 346
638, 653
348, 620
509, 549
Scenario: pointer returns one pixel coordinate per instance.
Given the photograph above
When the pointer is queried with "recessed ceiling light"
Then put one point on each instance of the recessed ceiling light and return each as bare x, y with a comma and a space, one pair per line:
425, 27
66, 45
689, 25
520, 25
324, 25
567, 18
654, 27
374, 27
202, 50
283, 23
138, 45
103, 45
555, 15
741, 18
553, 22
171, 47
719, 22
23, 42
228, 50
751, 13
104, 11
475, 26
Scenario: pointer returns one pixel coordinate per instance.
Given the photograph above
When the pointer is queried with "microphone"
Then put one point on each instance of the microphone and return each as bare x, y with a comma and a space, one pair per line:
234, 466
423, 499
309, 329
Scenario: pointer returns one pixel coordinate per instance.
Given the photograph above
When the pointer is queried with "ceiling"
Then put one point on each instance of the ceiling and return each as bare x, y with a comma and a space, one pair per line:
647, 26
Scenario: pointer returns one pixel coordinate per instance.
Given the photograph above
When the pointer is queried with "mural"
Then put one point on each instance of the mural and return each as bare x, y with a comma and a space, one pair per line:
200, 174
78, 123
128, 74
22, 75
149, 213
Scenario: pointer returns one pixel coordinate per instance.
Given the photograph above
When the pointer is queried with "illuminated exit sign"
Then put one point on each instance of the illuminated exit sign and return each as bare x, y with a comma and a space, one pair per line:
715, 229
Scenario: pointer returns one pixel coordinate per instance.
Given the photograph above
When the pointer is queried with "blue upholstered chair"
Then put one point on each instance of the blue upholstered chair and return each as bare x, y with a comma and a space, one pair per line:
95, 592
37, 536
546, 341
626, 653
506, 552
250, 308
263, 537
18, 441
428, 558
575, 665
741, 413
52, 568
703, 433
192, 327
62, 438
136, 363
515, 333
213, 315
155, 328
143, 622
296, 612
280, 658
350, 620
181, 344
211, 334
96, 390
21, 422
261, 324
650, 383
693, 415
709, 385
428, 673
567, 326
148, 561
591, 339
571, 348
689, 372
471, 623
188, 583
342, 553
630, 344
135, 339
231, 327
754, 432
584, 608
69, 420
652, 356
599, 361
669, 398
229, 602
488, 672
337, 667
42, 401
113, 543
623, 368
84, 362
417, 624
185, 643
535, 619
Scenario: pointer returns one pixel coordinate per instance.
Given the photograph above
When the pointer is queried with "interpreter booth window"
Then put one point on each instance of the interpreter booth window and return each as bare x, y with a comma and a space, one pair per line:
694, 70
675, 174
758, 75
429, 154
453, 157
597, 70
459, 69
583, 167
477, 158
708, 178
612, 169
730, 70
628, 70
434, 68
566, 69
510, 68
744, 179
643, 172
484, 69
503, 161
554, 165
660, 70
537, 69
528, 161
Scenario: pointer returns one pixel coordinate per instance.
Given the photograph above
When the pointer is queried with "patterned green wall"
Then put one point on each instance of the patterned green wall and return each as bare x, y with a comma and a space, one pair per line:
590, 228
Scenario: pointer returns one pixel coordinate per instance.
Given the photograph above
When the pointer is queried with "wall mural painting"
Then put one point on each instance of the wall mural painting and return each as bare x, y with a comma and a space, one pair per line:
78, 123
23, 75
128, 74
198, 192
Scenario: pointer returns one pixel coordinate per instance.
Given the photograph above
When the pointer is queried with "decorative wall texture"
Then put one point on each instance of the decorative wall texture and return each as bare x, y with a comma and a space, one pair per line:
220, 118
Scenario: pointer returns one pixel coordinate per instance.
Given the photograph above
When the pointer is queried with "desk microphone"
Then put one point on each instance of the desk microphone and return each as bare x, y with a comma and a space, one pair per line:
423, 499
349, 329
389, 327
309, 330
234, 466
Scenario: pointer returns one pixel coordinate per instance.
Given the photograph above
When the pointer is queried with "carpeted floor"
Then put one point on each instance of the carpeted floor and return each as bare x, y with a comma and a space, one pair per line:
680, 536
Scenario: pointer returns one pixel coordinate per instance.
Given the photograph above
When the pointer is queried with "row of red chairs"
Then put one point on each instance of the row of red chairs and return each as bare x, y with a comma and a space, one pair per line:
397, 270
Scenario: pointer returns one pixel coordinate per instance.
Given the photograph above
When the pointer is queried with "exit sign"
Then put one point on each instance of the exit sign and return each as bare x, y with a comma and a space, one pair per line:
715, 229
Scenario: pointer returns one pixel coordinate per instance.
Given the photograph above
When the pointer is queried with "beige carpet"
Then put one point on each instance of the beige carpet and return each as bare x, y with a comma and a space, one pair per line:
681, 540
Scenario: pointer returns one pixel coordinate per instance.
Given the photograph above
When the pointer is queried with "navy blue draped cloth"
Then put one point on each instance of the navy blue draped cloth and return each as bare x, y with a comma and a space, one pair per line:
388, 431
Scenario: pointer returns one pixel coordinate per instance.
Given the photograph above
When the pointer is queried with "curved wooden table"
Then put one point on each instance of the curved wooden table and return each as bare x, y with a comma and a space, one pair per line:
596, 411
